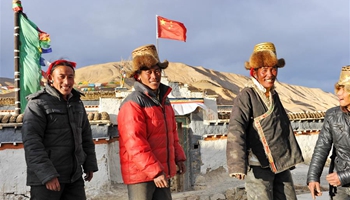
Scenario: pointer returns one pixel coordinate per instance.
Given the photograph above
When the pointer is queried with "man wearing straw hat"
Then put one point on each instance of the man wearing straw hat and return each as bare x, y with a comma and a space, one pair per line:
261, 146
150, 152
335, 136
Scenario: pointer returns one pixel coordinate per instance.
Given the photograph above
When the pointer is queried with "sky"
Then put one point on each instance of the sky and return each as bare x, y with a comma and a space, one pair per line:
312, 36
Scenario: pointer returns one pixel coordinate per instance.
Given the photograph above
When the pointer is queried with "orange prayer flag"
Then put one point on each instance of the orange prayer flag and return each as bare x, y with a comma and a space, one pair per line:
171, 29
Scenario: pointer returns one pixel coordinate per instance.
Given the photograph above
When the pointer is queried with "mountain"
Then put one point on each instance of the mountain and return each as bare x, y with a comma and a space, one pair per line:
223, 86
6, 82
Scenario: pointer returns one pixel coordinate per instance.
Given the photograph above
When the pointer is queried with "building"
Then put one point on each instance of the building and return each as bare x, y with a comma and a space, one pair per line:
202, 127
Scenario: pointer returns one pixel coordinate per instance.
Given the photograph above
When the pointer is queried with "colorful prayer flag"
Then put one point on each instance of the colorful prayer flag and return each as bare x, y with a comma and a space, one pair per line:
171, 29
32, 43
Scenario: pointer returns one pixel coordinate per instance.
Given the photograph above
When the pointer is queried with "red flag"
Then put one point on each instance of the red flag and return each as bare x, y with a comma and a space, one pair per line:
171, 29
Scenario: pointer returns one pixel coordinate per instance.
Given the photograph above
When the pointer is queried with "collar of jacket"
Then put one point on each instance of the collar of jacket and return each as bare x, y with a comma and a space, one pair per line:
345, 110
253, 83
53, 92
164, 90
259, 86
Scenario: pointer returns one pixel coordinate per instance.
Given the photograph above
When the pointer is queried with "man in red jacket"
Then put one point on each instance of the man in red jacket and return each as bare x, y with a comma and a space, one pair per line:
148, 141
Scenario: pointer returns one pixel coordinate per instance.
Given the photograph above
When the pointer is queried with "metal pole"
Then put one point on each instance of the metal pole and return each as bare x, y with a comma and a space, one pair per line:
157, 34
17, 62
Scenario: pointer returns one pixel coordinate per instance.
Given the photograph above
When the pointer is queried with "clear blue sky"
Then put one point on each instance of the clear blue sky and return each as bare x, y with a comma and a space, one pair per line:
312, 36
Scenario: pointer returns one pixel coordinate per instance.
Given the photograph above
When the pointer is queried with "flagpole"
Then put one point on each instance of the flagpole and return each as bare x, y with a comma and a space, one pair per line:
163, 73
17, 59
157, 34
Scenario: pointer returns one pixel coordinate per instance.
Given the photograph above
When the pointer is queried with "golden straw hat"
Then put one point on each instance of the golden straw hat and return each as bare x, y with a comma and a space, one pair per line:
265, 46
145, 56
344, 78
264, 55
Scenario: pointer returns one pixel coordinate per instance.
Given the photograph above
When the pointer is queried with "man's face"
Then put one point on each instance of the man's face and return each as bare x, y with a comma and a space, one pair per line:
151, 77
344, 97
63, 79
266, 76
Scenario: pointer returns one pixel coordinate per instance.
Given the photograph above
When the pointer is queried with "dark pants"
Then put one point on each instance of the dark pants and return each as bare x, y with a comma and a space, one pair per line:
69, 191
343, 193
263, 184
148, 191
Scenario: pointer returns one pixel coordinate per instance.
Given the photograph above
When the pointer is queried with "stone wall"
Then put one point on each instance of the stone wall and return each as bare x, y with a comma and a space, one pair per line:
13, 170
204, 143
206, 156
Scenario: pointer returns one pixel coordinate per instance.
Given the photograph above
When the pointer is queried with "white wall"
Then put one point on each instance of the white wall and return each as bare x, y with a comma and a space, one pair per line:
111, 106
101, 178
213, 156
114, 163
13, 172
307, 144
213, 152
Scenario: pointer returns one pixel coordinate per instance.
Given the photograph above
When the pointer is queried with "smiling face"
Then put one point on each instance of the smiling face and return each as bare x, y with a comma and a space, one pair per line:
151, 77
62, 78
266, 76
343, 97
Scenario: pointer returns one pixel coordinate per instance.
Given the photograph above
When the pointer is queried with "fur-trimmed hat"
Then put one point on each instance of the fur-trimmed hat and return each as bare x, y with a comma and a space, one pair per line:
264, 55
344, 78
145, 56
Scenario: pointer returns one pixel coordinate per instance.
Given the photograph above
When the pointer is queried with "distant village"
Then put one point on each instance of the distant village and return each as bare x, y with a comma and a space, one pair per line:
81, 86
202, 127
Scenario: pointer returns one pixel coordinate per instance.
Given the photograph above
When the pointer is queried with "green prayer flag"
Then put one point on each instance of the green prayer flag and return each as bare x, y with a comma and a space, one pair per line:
30, 53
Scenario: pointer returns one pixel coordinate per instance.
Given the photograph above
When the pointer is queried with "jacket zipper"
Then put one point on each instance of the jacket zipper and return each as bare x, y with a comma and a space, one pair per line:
75, 156
167, 140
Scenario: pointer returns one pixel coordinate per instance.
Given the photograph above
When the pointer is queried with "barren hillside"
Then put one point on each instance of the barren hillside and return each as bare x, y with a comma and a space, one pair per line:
225, 85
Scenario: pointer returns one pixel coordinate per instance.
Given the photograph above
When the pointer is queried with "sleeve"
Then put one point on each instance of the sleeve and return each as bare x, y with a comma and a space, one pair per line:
133, 135
236, 149
88, 144
344, 177
321, 152
33, 130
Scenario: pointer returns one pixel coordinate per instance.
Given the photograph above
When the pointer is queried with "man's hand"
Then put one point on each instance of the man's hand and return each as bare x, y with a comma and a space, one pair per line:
161, 181
240, 176
315, 189
53, 184
182, 167
333, 179
88, 176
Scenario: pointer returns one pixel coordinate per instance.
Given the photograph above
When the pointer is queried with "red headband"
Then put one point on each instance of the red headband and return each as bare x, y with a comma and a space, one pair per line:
251, 72
60, 62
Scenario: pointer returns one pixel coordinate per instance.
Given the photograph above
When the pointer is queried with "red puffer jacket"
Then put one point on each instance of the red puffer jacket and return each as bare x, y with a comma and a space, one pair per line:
148, 140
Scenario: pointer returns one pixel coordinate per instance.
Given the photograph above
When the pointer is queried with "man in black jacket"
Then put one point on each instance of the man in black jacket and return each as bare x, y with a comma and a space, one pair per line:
335, 134
57, 138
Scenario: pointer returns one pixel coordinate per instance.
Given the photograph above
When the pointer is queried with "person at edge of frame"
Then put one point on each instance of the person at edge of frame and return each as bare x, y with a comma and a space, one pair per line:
334, 138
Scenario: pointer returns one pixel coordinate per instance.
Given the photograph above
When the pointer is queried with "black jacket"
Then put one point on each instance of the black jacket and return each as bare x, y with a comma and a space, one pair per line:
57, 138
335, 131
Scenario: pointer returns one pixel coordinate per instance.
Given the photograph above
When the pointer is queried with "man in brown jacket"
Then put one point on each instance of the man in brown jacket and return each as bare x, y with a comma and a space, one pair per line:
261, 146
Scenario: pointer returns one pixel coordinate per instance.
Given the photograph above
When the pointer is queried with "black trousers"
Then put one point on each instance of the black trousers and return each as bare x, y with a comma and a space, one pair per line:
69, 191
263, 184
343, 193
148, 191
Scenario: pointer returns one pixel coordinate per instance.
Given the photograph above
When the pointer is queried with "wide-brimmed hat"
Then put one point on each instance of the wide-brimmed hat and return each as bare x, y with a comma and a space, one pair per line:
344, 78
145, 57
264, 55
